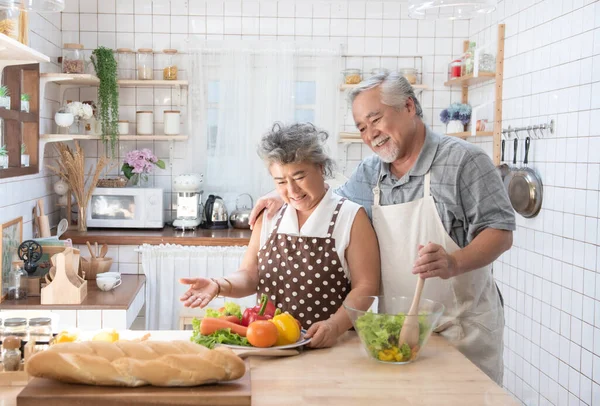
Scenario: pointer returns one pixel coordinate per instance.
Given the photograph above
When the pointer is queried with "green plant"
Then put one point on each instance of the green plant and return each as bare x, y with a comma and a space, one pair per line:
3, 151
23, 149
108, 94
4, 92
25, 97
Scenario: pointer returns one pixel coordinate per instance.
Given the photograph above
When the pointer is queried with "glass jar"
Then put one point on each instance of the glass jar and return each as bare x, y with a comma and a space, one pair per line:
170, 69
9, 23
145, 122
454, 69
409, 74
17, 282
379, 71
145, 61
15, 326
467, 62
172, 119
40, 329
352, 76
125, 63
11, 357
73, 58
123, 127
487, 62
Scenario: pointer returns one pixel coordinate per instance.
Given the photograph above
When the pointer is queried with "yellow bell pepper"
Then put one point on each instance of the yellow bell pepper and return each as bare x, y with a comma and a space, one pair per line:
288, 331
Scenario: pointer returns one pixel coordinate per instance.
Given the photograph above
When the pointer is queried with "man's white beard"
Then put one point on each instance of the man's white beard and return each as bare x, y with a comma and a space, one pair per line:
390, 153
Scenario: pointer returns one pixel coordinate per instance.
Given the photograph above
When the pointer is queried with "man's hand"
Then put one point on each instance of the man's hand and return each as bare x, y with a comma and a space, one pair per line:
272, 202
433, 260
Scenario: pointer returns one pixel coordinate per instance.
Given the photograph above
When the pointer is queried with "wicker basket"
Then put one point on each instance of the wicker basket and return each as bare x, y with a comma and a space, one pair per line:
115, 182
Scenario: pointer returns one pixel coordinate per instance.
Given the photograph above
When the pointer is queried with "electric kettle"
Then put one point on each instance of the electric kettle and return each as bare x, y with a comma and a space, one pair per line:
215, 213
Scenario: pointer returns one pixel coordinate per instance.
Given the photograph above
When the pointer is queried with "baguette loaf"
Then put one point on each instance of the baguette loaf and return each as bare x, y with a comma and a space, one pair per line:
127, 363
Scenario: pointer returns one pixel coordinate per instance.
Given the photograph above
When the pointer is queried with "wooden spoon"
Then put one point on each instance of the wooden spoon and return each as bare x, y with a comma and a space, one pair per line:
410, 329
103, 251
90, 249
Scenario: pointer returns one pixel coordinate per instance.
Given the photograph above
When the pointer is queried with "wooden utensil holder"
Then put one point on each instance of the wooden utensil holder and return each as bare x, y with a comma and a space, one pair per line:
93, 266
67, 287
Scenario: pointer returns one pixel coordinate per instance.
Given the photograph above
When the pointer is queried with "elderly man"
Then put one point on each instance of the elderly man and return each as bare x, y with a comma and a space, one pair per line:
440, 211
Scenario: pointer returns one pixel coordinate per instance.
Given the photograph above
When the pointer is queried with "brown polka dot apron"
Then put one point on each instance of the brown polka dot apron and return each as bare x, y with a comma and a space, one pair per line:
303, 275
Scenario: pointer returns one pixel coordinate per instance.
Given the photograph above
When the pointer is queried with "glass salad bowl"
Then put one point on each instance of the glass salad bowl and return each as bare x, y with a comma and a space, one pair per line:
379, 325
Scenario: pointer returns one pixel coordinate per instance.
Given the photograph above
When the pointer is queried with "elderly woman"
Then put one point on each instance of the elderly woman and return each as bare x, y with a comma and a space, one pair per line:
320, 249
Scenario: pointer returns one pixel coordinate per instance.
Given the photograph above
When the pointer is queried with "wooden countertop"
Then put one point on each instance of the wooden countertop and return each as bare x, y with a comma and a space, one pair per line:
117, 299
168, 235
344, 375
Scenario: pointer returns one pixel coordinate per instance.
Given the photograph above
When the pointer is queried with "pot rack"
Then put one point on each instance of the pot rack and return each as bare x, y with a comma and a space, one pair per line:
540, 127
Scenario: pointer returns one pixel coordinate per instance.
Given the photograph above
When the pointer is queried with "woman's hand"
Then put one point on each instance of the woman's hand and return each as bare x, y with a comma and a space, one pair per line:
324, 334
200, 293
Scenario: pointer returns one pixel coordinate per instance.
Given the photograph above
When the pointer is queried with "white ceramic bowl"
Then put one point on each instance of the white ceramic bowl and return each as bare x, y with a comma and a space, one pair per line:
64, 119
107, 283
115, 275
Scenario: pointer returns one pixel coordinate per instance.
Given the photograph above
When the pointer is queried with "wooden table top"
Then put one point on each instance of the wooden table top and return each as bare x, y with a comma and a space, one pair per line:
168, 235
117, 299
344, 375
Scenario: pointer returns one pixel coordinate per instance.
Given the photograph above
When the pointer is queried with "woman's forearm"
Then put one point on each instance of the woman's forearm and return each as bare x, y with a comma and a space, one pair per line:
238, 284
341, 318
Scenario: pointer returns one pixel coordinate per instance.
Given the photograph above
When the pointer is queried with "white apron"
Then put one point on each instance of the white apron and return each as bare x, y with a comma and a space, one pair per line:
474, 319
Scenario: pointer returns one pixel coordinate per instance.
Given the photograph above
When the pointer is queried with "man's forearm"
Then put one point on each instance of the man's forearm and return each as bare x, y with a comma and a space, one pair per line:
483, 250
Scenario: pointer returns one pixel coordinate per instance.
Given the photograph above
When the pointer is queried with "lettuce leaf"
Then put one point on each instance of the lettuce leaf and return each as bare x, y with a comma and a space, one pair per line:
224, 336
228, 309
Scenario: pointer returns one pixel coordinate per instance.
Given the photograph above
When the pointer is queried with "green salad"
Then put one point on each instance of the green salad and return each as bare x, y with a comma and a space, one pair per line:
224, 336
380, 333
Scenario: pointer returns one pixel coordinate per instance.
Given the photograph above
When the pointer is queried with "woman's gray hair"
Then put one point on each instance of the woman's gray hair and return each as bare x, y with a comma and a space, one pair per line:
295, 143
395, 90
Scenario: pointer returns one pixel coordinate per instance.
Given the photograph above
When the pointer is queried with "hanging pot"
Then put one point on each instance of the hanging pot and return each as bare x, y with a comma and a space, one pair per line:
525, 189
511, 171
240, 218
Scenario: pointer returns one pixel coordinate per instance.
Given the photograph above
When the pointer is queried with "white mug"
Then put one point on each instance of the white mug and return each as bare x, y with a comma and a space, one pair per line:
116, 275
107, 283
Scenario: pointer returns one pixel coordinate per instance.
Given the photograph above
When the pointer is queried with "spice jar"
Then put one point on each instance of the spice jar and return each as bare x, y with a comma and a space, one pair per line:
467, 62
123, 127
17, 282
15, 326
11, 358
410, 74
352, 76
40, 329
145, 122
125, 63
454, 69
145, 59
73, 59
172, 118
170, 70
9, 23
379, 71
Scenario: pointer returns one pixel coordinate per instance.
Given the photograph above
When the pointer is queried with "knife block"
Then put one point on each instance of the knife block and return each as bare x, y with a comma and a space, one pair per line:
66, 287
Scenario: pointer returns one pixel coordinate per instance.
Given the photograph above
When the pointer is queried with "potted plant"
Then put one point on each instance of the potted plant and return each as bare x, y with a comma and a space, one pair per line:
105, 65
456, 117
25, 102
138, 164
4, 97
24, 155
3, 157
80, 111
63, 118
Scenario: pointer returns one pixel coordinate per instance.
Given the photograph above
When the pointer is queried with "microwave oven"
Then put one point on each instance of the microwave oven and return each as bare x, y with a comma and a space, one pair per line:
126, 208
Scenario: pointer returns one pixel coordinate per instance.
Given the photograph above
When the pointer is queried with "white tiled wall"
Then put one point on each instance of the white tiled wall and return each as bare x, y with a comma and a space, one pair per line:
550, 278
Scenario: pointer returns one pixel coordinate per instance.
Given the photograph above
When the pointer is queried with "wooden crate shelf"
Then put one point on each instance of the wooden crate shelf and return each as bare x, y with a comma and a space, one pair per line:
469, 80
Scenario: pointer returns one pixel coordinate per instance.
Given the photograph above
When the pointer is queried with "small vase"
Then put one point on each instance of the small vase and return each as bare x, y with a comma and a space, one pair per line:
76, 128
63, 120
25, 106
139, 180
24, 159
3, 161
5, 102
454, 126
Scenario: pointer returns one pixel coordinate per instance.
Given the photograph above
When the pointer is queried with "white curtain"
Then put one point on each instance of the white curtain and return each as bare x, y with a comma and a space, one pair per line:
164, 265
253, 84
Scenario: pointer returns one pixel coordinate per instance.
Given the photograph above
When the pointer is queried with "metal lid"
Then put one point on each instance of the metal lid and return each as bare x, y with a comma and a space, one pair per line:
169, 51
11, 343
40, 321
15, 322
145, 50
73, 46
124, 50
144, 111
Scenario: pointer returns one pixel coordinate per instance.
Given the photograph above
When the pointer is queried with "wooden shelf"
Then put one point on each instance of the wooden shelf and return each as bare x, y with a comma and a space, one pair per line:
420, 88
14, 53
71, 79
467, 134
468, 80
349, 137
153, 83
71, 137
18, 115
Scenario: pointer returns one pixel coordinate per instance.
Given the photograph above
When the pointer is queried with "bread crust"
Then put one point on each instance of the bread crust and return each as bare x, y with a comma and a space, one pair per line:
128, 363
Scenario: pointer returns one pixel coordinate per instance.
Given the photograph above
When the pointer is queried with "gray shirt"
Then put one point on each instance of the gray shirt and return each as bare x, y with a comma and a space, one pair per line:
466, 186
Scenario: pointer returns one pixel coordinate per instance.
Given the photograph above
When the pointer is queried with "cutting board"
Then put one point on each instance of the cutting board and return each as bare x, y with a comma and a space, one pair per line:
53, 393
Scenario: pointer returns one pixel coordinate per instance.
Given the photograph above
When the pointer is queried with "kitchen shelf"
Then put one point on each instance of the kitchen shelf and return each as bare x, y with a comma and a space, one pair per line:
467, 134
12, 52
21, 116
153, 83
349, 137
71, 137
468, 80
83, 79
420, 88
